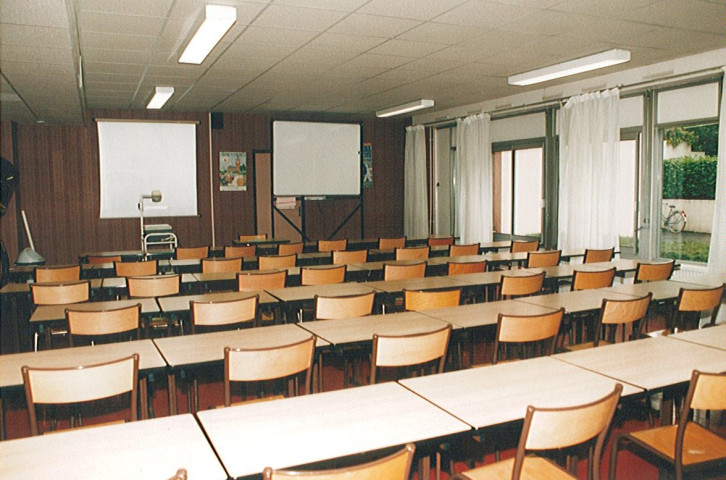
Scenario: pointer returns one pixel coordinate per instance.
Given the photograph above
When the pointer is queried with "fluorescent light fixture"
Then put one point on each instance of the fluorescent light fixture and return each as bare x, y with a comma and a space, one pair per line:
405, 108
571, 67
218, 20
160, 97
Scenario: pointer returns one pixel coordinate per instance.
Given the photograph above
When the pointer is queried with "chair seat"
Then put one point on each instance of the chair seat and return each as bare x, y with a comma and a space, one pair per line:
700, 444
534, 468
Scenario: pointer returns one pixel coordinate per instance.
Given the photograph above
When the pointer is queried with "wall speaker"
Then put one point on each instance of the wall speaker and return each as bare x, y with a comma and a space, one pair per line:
217, 120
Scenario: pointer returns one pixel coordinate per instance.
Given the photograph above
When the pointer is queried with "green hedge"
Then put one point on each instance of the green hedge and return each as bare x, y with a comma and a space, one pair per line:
690, 178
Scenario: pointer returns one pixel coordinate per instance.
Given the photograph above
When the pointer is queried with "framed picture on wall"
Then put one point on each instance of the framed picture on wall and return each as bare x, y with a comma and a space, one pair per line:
232, 171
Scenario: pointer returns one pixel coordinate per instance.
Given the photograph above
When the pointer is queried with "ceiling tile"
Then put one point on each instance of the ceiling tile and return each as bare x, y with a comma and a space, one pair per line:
373, 25
281, 16
48, 13
405, 48
484, 14
413, 9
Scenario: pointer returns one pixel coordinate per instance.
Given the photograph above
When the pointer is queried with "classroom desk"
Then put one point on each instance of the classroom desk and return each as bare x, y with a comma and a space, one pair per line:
425, 283
55, 313
710, 279
483, 314
622, 266
127, 255
307, 292
661, 290
575, 301
180, 303
312, 428
714, 337
144, 450
496, 394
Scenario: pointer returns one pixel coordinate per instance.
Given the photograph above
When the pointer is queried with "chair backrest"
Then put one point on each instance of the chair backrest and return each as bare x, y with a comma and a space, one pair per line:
520, 285
598, 255
418, 300
547, 258
412, 350
153, 286
652, 272
557, 428
268, 262
290, 248
706, 391
436, 241
247, 238
399, 272
192, 253
459, 268
58, 386
252, 281
71, 273
103, 258
528, 329
460, 250
226, 314
227, 264
345, 257
100, 323
390, 243
263, 364
332, 245
586, 280
693, 302
524, 246
347, 306
396, 466
240, 251
61, 293
412, 253
622, 312
324, 275
135, 269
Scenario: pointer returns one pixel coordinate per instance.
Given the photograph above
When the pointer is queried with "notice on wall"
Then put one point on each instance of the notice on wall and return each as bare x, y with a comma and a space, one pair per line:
367, 165
232, 171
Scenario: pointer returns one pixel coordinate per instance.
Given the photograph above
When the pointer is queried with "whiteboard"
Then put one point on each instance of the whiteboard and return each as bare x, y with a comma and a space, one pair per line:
138, 157
315, 158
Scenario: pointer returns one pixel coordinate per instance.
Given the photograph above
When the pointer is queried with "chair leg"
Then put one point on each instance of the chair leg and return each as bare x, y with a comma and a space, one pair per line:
613, 457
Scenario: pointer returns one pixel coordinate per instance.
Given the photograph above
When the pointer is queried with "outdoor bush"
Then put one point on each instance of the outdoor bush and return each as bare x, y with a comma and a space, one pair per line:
690, 177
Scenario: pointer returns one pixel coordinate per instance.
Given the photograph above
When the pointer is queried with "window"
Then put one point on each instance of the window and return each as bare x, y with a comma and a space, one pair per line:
626, 207
518, 190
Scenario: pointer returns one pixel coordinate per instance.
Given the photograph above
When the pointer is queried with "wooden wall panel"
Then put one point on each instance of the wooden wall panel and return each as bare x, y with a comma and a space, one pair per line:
9, 223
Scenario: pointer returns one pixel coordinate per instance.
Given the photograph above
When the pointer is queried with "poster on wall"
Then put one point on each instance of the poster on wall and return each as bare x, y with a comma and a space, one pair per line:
232, 171
367, 165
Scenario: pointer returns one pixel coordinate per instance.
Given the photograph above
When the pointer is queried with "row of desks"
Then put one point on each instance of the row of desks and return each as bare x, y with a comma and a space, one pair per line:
301, 430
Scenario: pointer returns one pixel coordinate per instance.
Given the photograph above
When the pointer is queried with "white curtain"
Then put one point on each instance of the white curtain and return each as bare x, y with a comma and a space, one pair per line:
474, 179
717, 250
415, 199
589, 154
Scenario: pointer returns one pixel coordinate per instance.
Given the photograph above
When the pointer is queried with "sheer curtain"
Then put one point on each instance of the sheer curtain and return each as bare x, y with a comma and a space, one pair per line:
474, 179
589, 155
717, 250
415, 199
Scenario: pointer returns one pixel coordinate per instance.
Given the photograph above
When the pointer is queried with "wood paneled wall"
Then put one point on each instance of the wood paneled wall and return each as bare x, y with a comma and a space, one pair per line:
9, 223
59, 186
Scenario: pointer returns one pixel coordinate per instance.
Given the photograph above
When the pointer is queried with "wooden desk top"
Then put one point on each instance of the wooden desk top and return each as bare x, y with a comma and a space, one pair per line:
24, 287
149, 449
650, 363
308, 292
149, 358
620, 264
574, 301
181, 303
711, 337
310, 428
361, 329
50, 313
480, 314
425, 283
710, 279
662, 289
496, 394
209, 347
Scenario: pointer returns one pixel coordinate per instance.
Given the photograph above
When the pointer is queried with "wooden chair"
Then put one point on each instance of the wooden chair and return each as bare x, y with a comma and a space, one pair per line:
332, 245
692, 304
99, 324
652, 272
461, 250
601, 255
586, 280
399, 272
216, 265
391, 243
290, 248
103, 258
413, 353
57, 294
460, 268
396, 466
553, 430
240, 251
346, 257
135, 269
64, 386
153, 286
618, 315
535, 335
418, 300
524, 246
413, 253
225, 314
688, 446
438, 241
262, 280
70, 273
548, 258
347, 306
265, 364
511, 286
269, 262
247, 238
324, 275
192, 253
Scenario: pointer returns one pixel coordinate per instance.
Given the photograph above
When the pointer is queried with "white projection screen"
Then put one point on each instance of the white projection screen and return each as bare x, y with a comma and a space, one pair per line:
315, 159
137, 157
